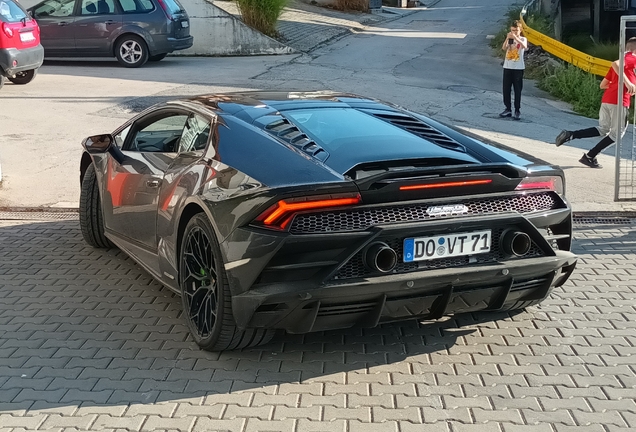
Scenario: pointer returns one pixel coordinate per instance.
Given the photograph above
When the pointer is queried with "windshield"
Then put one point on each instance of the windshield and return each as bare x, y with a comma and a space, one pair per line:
11, 12
334, 127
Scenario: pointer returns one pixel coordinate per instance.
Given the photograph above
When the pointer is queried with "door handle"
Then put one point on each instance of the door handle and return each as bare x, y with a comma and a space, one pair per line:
109, 22
62, 23
153, 183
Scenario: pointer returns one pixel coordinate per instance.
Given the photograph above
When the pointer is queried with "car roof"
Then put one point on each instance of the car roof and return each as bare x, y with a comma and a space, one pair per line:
257, 103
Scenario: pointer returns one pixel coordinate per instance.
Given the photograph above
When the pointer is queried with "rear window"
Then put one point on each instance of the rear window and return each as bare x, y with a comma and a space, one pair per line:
174, 7
334, 127
11, 12
136, 6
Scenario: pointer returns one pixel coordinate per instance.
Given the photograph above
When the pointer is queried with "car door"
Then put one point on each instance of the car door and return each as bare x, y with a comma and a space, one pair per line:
55, 18
96, 25
132, 187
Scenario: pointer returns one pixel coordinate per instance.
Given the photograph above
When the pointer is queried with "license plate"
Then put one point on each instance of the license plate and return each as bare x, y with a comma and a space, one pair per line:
27, 37
185, 24
444, 246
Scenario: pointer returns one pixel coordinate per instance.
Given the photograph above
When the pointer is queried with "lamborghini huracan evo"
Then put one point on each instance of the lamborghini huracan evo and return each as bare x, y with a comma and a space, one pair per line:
308, 211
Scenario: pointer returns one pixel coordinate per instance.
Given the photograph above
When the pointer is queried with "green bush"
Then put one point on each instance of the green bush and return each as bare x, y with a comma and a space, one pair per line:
604, 50
355, 5
262, 15
575, 86
583, 42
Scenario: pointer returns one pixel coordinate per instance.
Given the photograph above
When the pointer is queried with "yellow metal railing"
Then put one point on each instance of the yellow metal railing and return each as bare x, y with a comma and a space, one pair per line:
558, 49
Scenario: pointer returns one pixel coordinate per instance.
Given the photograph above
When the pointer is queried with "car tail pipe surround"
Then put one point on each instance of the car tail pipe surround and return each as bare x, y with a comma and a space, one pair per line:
516, 243
380, 257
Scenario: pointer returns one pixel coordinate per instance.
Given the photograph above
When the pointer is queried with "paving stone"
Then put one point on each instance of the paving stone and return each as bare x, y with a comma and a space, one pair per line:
183, 424
332, 413
257, 425
26, 422
55, 420
304, 425
206, 425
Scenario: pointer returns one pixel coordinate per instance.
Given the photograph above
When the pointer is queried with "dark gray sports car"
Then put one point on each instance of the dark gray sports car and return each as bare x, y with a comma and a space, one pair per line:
319, 210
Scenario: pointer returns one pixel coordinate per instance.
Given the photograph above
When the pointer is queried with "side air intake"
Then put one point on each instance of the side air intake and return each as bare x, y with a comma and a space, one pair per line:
419, 128
289, 133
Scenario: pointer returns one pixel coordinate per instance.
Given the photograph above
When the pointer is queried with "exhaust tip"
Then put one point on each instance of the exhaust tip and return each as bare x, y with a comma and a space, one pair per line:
516, 243
380, 257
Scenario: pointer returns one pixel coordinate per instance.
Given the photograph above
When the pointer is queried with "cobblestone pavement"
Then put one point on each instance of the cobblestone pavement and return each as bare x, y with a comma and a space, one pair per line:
305, 27
88, 341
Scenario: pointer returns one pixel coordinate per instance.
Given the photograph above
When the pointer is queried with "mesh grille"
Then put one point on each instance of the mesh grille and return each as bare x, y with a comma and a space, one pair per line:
355, 267
357, 220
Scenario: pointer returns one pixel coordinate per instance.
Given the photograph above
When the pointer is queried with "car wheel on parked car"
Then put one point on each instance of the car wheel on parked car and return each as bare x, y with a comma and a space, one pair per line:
90, 212
131, 51
25, 77
205, 293
158, 57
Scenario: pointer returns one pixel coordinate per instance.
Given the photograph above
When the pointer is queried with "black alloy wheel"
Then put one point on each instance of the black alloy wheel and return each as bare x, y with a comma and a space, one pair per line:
24, 77
90, 211
206, 295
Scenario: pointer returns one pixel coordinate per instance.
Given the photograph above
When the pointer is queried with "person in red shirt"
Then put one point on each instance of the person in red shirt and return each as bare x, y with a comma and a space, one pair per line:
609, 108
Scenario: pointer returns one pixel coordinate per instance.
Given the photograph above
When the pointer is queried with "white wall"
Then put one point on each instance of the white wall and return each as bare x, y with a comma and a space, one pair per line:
218, 33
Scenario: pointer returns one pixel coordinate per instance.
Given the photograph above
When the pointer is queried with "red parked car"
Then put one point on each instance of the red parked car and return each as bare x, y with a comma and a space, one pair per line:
20, 51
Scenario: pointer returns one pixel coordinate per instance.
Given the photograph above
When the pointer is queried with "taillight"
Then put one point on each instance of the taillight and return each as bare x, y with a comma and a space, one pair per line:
551, 183
280, 214
7, 30
166, 9
445, 184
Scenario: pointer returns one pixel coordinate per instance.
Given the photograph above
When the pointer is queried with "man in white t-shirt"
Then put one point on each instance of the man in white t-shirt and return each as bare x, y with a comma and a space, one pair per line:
515, 46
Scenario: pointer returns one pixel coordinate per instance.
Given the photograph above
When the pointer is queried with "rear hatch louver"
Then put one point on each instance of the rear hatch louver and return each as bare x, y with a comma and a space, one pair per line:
418, 128
289, 133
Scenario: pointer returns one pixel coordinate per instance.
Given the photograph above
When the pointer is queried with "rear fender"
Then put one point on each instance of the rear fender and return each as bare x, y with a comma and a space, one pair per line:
135, 30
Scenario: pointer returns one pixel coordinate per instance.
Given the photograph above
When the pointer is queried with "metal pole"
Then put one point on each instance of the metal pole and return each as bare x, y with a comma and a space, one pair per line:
619, 106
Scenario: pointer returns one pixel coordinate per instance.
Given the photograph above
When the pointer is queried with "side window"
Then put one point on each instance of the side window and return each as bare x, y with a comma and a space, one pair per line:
97, 7
195, 134
55, 8
136, 6
120, 138
158, 134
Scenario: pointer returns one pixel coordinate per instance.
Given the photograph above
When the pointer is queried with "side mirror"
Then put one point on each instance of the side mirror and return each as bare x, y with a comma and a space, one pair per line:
98, 143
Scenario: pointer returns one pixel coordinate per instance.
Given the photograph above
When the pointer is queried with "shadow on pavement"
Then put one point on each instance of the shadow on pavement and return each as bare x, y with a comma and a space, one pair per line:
81, 327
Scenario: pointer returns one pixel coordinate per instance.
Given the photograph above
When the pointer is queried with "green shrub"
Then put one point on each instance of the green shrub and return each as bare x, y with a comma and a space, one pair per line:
262, 15
604, 50
356, 5
575, 86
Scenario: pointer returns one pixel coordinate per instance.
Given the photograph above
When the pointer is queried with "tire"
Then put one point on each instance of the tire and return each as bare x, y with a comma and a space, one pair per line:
131, 51
158, 57
205, 293
25, 77
90, 212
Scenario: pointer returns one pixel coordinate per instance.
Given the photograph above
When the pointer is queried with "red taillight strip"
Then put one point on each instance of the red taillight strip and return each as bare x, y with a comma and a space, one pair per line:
279, 215
166, 10
445, 185
536, 185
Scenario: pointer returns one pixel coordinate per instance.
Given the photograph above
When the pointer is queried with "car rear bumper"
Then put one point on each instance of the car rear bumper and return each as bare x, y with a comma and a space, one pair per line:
25, 59
421, 295
168, 44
